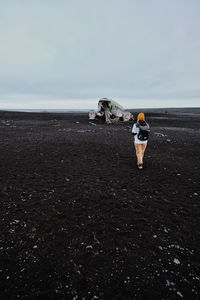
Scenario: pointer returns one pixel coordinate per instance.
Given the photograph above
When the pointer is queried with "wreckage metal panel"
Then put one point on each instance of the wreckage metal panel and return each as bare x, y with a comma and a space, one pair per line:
112, 112
114, 104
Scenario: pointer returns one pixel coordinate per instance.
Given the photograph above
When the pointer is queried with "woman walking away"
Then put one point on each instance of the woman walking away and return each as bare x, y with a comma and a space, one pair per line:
141, 132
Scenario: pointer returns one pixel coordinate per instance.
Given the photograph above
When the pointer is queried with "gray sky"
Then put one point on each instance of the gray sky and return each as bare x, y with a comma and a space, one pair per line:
70, 53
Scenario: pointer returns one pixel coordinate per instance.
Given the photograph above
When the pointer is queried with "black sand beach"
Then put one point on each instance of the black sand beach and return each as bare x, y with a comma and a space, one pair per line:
79, 221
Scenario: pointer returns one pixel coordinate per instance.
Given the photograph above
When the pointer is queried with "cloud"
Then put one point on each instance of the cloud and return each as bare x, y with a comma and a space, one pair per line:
88, 49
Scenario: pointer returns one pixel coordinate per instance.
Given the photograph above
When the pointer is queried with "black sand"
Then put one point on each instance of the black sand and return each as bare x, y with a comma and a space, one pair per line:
79, 221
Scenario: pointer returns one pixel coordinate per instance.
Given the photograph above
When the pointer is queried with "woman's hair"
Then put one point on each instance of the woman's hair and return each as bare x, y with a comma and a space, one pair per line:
140, 116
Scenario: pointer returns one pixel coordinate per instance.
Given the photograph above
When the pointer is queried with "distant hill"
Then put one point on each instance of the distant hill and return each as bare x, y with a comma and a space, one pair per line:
176, 110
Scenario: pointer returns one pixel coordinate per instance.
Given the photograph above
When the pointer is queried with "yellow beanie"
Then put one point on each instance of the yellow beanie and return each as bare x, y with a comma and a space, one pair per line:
140, 116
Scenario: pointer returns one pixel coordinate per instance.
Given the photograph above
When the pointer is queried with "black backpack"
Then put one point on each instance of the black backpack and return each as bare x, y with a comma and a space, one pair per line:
144, 130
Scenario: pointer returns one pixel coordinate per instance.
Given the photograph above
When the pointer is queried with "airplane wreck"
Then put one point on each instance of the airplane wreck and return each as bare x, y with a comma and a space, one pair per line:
110, 111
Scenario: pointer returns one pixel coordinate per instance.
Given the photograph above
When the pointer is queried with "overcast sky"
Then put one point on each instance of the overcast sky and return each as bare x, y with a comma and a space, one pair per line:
70, 53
